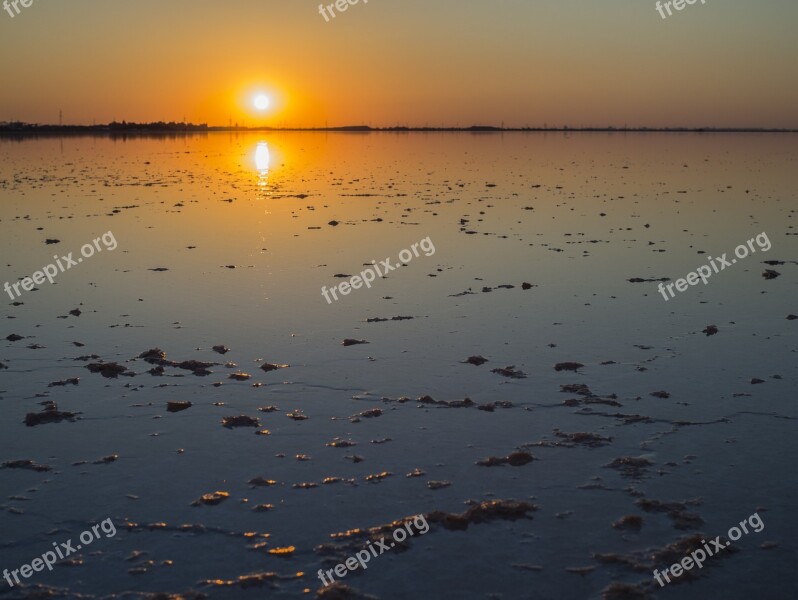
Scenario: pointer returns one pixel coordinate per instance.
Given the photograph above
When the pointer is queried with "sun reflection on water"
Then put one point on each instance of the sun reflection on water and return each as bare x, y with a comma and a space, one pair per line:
262, 160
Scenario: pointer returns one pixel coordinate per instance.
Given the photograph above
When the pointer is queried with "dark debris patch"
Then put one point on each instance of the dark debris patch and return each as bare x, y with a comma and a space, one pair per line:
110, 370
339, 443
510, 371
341, 591
261, 482
659, 558
491, 406
50, 414
629, 523
25, 464
438, 485
624, 591
272, 367
515, 459
571, 440
254, 580
63, 382
475, 360
483, 512
382, 320
651, 280
239, 376
368, 414
240, 421
568, 366
464, 403
676, 511
211, 499
156, 356
630, 466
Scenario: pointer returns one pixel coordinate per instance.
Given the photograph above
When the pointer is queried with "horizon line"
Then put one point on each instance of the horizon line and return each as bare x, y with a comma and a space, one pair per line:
184, 127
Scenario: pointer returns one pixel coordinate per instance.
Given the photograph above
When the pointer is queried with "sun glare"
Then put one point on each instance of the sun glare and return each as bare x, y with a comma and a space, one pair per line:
261, 102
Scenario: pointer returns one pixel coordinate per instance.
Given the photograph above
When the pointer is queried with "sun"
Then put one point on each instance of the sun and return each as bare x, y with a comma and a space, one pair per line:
261, 101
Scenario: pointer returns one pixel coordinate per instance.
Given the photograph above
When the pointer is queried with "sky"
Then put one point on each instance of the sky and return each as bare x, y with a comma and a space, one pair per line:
726, 63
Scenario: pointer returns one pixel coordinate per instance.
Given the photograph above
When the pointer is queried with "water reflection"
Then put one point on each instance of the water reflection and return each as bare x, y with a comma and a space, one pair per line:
262, 160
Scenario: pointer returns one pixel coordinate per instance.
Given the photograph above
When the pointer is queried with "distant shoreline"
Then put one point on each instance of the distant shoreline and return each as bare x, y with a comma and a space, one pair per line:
17, 129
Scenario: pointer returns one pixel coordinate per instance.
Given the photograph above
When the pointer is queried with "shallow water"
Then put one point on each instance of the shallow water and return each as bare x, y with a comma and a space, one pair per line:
576, 216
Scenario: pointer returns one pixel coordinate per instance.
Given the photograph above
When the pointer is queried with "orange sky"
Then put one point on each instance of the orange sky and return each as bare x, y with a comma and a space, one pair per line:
414, 62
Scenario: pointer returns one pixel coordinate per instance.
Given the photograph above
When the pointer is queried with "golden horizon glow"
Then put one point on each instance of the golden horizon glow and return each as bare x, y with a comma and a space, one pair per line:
618, 67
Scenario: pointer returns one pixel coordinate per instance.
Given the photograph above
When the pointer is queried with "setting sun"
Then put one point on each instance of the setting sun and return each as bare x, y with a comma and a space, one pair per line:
261, 102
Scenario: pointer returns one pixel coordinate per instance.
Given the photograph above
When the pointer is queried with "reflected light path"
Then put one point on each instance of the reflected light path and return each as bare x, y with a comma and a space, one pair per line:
262, 160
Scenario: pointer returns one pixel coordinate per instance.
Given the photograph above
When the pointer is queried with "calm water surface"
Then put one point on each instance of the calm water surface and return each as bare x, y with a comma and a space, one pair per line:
227, 239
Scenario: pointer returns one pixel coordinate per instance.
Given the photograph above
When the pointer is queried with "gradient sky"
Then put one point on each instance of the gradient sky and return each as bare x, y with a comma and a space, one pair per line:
408, 62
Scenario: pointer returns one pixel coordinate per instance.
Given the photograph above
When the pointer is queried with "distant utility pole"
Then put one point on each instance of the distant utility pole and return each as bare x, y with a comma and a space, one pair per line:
60, 117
